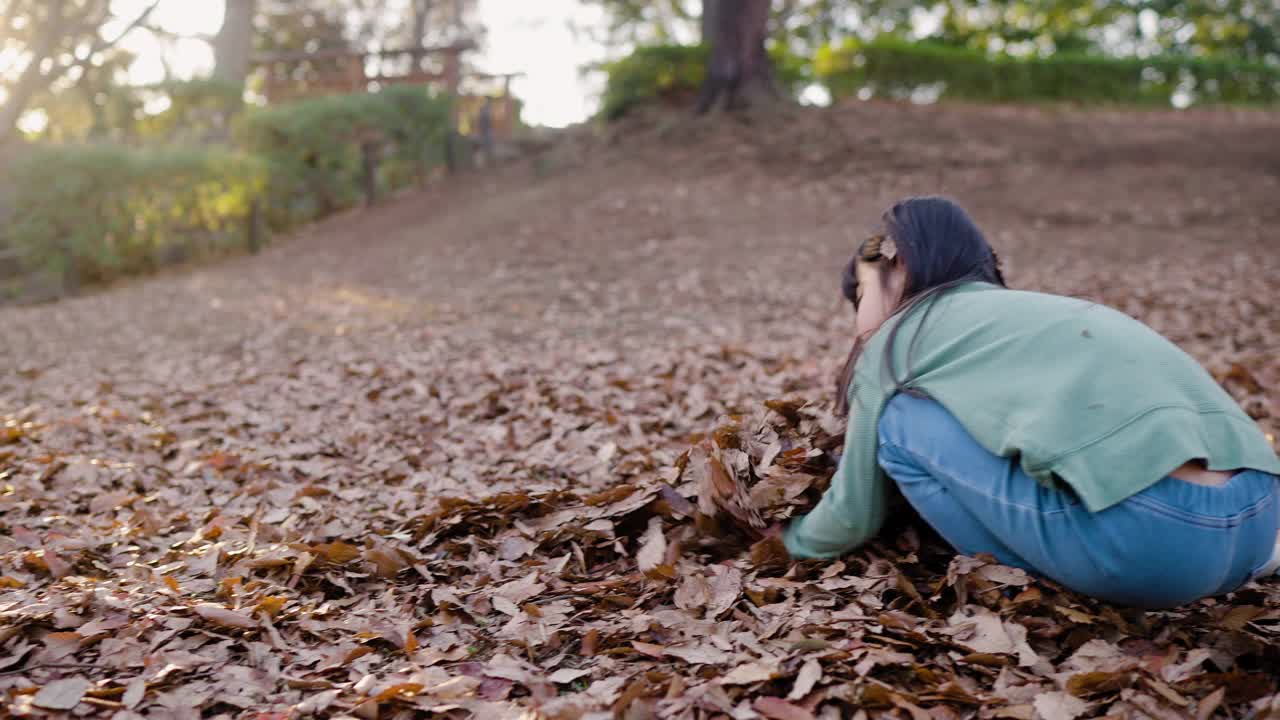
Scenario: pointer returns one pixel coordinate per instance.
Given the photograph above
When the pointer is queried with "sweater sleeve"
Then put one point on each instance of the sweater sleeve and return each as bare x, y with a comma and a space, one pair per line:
853, 509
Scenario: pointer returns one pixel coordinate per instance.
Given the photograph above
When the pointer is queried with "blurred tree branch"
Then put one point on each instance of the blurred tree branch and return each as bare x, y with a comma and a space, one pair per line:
53, 49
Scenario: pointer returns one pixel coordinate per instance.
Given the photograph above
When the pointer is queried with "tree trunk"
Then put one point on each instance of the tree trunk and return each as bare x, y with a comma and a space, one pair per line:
421, 11
710, 19
234, 43
738, 68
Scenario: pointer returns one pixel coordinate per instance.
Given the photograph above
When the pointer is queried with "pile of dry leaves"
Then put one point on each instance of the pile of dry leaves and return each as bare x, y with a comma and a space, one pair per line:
434, 459
660, 597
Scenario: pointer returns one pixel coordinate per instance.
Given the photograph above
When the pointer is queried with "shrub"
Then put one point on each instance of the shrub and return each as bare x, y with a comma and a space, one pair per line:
674, 73
896, 68
313, 147
113, 209
198, 110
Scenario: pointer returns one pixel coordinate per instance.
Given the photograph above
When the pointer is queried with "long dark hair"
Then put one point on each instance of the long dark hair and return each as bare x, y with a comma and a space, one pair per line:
940, 246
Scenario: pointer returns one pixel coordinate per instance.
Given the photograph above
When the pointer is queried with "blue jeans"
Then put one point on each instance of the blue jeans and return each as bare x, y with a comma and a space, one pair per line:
1170, 544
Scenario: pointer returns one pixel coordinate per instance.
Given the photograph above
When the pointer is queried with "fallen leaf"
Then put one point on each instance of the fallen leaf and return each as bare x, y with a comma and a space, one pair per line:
809, 675
1094, 683
134, 692
984, 632
703, 654
568, 675
1210, 703
219, 615
1059, 705
337, 552
653, 548
59, 645
693, 592
62, 694
747, 673
726, 587
650, 649
779, 709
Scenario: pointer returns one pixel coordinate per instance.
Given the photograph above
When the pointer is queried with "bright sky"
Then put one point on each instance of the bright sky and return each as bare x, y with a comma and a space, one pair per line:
534, 38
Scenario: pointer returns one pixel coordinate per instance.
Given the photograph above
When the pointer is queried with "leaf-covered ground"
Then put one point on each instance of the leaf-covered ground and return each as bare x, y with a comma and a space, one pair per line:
427, 460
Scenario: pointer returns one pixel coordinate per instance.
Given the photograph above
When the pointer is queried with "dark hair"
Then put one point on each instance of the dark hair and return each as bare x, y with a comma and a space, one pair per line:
940, 247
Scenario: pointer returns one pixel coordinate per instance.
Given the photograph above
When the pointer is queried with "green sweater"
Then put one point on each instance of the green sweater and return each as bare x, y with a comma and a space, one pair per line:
1084, 394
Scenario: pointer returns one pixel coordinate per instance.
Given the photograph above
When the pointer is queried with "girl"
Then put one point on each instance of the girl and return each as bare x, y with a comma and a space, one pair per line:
1061, 436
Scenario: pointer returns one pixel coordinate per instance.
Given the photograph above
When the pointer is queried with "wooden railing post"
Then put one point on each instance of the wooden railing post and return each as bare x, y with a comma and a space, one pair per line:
369, 157
253, 230
71, 270
355, 74
452, 80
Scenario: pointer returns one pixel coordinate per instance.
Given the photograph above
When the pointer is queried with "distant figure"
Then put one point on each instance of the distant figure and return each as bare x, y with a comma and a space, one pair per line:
485, 128
1059, 435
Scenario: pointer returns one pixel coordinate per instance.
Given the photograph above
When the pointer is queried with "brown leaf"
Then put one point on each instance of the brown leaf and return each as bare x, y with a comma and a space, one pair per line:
653, 549
1169, 694
568, 675
703, 654
271, 605
1241, 615
337, 552
518, 591
1015, 712
222, 461
388, 562
649, 649
725, 589
779, 709
58, 645
455, 687
748, 673
1209, 705
1059, 705
809, 675
693, 592
62, 694
590, 643
134, 692
1098, 682
219, 615
984, 632
398, 691
719, 489
770, 553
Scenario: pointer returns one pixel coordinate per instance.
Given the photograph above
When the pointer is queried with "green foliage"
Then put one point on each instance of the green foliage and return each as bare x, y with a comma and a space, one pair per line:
895, 68
116, 209
650, 73
313, 147
198, 110
194, 111
1247, 30
113, 209
675, 72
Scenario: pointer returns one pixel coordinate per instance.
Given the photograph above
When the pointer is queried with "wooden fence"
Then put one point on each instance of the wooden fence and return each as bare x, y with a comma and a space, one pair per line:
482, 101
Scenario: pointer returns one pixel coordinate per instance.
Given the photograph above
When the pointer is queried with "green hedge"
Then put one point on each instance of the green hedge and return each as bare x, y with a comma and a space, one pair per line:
313, 147
198, 110
675, 73
112, 209
895, 68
